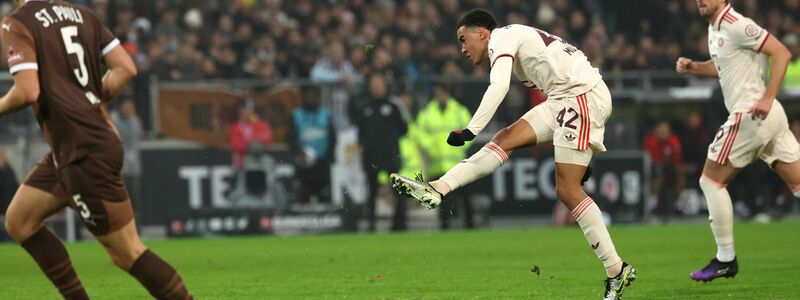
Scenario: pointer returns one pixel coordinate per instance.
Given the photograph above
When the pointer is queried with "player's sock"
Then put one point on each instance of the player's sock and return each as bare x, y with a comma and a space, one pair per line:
720, 215
480, 164
589, 217
49, 253
158, 277
796, 191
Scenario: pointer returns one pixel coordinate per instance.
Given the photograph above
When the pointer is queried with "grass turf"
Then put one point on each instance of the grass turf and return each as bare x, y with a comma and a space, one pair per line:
490, 264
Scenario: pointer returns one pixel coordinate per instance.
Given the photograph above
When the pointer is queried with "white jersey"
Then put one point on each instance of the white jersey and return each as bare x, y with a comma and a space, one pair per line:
734, 42
544, 60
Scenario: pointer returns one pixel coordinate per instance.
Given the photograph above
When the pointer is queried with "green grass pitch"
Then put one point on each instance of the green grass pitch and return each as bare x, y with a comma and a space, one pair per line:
487, 264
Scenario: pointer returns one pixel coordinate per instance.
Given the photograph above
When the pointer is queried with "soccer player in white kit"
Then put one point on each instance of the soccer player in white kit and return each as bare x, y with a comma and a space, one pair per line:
573, 118
756, 128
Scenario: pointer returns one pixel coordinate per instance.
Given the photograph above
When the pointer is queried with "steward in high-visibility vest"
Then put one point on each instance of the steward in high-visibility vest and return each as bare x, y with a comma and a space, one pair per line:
434, 123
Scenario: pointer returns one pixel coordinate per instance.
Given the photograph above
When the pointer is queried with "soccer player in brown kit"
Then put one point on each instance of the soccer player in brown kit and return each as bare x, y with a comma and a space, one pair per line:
55, 50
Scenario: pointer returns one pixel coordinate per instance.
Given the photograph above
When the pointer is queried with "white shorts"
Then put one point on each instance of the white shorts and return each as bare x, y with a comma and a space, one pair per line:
576, 123
741, 140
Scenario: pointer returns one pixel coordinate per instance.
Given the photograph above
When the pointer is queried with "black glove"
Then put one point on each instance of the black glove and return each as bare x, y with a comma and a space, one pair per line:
458, 137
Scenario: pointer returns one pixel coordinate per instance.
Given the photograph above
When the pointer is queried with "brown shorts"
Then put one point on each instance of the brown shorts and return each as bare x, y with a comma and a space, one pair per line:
93, 188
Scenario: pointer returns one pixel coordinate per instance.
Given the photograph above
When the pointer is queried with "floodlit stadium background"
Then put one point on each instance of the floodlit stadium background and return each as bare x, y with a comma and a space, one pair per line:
201, 62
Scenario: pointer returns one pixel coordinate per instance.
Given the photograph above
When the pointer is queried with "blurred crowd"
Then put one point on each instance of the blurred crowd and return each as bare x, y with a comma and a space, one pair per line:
381, 41
272, 39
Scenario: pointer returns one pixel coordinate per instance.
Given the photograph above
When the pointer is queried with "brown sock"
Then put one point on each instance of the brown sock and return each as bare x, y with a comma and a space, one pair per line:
48, 251
158, 277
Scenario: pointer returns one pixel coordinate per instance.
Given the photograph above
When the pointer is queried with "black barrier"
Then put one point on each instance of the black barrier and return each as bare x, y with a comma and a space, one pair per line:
525, 185
193, 191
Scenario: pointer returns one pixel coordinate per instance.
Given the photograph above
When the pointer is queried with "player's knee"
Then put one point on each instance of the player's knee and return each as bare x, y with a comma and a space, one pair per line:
19, 227
565, 192
708, 185
124, 257
501, 135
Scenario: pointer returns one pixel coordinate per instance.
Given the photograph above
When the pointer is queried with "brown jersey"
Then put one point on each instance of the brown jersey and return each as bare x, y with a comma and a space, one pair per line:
66, 44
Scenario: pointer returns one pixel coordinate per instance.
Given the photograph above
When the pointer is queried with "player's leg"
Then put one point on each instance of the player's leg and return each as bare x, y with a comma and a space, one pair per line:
113, 225
536, 126
713, 183
25, 224
129, 254
493, 155
783, 155
39, 197
731, 150
790, 173
570, 167
99, 197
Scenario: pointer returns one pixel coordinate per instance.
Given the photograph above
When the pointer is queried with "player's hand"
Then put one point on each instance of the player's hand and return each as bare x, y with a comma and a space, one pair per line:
459, 137
761, 108
682, 65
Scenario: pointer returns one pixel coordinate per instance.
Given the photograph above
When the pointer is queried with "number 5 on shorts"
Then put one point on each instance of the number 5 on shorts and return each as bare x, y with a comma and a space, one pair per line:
84, 210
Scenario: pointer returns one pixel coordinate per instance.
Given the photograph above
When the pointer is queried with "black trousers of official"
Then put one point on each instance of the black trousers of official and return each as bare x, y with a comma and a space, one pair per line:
399, 217
449, 208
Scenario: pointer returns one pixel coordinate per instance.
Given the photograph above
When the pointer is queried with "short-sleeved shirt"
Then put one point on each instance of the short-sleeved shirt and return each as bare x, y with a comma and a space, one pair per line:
544, 60
734, 43
65, 44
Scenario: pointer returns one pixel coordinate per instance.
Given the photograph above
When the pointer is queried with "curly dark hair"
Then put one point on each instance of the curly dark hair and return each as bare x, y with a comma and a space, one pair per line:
478, 17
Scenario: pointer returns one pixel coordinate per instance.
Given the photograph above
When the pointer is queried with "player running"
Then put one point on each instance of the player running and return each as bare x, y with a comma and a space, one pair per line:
573, 117
55, 50
756, 128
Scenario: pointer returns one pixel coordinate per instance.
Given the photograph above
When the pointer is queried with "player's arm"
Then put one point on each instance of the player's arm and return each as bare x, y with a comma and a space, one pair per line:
688, 66
780, 57
24, 91
499, 81
121, 70
19, 49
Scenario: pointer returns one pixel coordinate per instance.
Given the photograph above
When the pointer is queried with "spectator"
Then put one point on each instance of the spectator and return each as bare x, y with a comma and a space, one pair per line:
694, 145
332, 66
249, 134
442, 115
334, 69
313, 139
664, 149
131, 132
380, 127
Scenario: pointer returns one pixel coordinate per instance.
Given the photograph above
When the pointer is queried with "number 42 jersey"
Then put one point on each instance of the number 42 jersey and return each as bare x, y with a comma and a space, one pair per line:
65, 44
544, 61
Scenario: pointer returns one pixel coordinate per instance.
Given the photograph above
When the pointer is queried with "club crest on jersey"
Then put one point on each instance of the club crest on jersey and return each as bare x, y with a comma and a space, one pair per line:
14, 55
751, 30
720, 42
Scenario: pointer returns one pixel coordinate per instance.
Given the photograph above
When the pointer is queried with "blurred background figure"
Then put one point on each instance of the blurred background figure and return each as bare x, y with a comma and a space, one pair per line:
313, 140
380, 127
664, 149
411, 155
131, 133
442, 115
248, 137
8, 186
792, 79
694, 147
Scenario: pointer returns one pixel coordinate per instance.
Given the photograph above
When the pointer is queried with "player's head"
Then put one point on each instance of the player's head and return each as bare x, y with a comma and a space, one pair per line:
473, 32
709, 8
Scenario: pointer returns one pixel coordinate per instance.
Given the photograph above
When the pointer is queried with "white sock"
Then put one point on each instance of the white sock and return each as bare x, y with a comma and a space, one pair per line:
720, 216
589, 217
480, 164
796, 192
